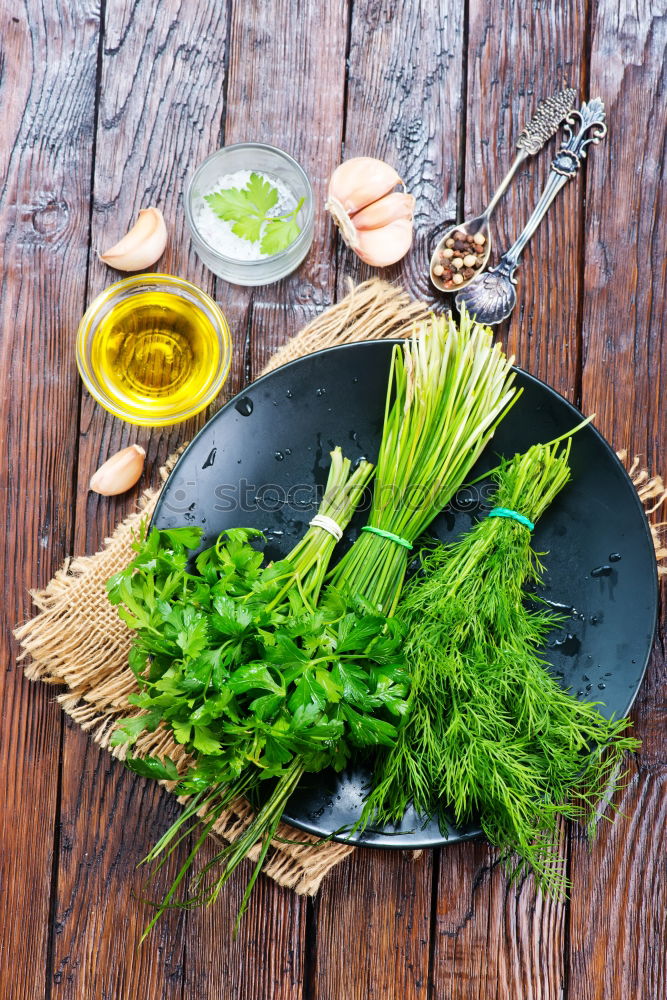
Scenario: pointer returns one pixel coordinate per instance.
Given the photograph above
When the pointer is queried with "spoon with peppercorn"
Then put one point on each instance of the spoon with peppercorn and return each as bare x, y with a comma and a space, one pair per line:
491, 297
463, 252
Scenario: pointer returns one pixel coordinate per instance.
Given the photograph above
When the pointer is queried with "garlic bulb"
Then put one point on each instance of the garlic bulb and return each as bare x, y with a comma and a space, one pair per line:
120, 472
374, 219
142, 245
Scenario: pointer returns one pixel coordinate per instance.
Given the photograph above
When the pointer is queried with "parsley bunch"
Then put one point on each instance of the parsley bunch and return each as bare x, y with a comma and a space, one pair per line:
250, 211
254, 675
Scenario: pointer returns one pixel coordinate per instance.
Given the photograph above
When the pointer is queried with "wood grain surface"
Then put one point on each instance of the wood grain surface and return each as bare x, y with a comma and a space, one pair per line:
108, 108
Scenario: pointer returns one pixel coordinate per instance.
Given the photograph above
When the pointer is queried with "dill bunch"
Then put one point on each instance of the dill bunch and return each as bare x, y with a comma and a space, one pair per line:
489, 735
449, 387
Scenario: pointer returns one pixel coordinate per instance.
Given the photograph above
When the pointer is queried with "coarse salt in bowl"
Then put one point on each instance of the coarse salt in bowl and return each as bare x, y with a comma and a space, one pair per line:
228, 255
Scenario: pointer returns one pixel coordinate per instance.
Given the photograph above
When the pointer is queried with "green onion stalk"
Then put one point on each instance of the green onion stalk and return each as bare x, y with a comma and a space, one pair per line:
449, 388
489, 734
308, 562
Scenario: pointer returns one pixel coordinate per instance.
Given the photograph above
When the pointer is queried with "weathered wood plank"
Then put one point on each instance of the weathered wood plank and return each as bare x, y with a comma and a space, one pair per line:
281, 90
617, 919
490, 937
518, 54
45, 161
108, 822
403, 105
266, 959
161, 106
373, 927
286, 87
618, 913
516, 938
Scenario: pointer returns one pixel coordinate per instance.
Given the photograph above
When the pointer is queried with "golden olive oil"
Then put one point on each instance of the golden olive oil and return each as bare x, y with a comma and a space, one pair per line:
155, 353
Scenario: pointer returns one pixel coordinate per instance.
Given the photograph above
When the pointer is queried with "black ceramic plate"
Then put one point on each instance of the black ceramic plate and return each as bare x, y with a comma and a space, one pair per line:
262, 460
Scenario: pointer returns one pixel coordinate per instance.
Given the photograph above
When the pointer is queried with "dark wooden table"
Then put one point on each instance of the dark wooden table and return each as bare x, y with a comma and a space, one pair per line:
106, 109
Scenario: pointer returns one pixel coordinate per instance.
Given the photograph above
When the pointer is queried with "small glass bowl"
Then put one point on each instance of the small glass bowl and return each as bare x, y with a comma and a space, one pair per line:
269, 160
185, 397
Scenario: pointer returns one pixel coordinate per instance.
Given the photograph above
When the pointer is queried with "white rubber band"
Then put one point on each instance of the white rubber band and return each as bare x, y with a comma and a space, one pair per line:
328, 524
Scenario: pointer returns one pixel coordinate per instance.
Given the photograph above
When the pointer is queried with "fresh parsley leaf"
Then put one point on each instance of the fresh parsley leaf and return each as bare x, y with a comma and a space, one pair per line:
153, 767
204, 741
261, 194
249, 227
194, 637
252, 677
279, 234
129, 730
181, 538
230, 204
307, 691
248, 209
181, 731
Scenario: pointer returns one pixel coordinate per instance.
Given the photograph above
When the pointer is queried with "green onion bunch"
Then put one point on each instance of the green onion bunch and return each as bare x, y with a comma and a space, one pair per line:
489, 735
449, 387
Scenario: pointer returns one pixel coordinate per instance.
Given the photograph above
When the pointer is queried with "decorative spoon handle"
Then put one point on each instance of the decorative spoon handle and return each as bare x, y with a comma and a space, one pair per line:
491, 297
592, 128
534, 135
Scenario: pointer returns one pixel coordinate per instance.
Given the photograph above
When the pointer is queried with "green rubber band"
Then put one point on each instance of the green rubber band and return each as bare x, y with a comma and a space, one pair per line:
388, 534
505, 512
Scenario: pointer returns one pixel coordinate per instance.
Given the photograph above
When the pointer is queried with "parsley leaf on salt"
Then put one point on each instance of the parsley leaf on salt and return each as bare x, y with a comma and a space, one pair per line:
248, 209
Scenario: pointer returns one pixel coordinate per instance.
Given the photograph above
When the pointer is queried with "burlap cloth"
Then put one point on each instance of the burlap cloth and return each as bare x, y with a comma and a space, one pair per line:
78, 642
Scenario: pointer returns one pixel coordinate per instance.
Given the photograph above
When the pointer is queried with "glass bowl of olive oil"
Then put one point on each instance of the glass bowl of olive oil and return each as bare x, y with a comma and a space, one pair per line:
154, 349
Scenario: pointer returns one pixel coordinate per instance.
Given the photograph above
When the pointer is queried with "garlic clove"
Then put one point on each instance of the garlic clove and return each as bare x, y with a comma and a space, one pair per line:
396, 205
385, 246
142, 245
120, 472
359, 182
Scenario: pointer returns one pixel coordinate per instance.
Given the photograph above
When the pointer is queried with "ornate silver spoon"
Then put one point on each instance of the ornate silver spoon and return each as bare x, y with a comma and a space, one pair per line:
491, 297
534, 135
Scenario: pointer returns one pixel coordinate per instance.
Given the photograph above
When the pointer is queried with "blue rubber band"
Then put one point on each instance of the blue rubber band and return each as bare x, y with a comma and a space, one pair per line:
388, 534
505, 512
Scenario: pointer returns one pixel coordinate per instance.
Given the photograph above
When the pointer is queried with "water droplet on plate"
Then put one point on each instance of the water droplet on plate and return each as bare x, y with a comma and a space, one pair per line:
320, 392
569, 644
288, 393
604, 570
244, 406
211, 459
561, 607
601, 686
278, 455
615, 557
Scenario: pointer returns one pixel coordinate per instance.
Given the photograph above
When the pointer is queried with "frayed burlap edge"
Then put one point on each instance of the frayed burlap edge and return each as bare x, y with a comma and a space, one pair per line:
652, 493
78, 642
